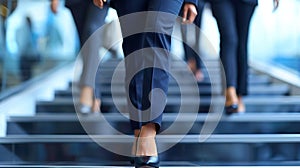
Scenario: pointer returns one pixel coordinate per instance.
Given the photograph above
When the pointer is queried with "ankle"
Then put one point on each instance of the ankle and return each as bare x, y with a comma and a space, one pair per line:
241, 105
146, 146
148, 130
240, 98
96, 105
86, 95
199, 75
231, 96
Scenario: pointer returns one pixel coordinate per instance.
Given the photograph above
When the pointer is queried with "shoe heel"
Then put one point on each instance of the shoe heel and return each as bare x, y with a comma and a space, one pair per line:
83, 109
146, 161
231, 109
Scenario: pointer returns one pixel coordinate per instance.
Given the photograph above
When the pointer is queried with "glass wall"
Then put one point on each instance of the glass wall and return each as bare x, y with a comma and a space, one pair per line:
33, 40
275, 35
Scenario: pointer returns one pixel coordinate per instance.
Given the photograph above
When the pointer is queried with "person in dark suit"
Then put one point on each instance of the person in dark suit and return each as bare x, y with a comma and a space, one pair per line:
191, 57
233, 18
149, 46
28, 49
88, 18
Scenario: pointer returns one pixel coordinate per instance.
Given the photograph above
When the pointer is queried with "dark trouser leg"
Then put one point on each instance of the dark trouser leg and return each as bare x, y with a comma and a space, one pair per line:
94, 20
150, 78
79, 11
27, 62
224, 12
189, 52
244, 14
25, 68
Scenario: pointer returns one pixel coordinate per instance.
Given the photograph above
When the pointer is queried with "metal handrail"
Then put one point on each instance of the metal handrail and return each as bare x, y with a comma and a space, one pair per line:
220, 138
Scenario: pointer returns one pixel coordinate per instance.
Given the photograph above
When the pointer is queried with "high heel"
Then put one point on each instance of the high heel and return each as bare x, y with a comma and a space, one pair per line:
231, 104
87, 102
87, 109
131, 160
83, 109
146, 161
231, 109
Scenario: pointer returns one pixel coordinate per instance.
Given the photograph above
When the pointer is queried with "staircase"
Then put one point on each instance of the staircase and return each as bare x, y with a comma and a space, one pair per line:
267, 134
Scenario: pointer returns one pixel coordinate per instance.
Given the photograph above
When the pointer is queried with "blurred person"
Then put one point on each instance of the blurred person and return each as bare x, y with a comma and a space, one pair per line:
88, 18
27, 42
191, 57
233, 19
144, 47
2, 48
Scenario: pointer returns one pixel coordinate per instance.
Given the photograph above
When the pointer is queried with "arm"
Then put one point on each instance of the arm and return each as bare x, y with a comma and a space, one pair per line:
189, 11
99, 3
275, 4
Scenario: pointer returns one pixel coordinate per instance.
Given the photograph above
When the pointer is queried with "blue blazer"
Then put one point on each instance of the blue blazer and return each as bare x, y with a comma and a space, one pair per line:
195, 2
254, 2
251, 1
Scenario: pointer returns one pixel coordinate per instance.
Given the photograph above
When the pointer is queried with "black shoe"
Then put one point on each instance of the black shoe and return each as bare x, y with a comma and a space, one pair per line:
146, 161
231, 109
131, 160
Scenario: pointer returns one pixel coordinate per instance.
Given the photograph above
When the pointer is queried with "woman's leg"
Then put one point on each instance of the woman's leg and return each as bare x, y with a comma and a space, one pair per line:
95, 18
130, 45
191, 57
224, 12
244, 14
155, 47
144, 81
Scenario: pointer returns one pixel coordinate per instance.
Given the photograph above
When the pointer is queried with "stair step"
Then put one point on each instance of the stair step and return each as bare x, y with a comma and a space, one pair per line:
253, 104
254, 80
217, 149
161, 139
168, 117
186, 123
274, 89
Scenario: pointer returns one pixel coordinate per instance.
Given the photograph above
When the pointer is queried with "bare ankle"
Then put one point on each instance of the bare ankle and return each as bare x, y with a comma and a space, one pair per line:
96, 105
231, 96
146, 145
241, 105
148, 130
86, 95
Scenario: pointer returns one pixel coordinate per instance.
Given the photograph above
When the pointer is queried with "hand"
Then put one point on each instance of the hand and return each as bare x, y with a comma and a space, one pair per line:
275, 4
54, 5
189, 13
99, 3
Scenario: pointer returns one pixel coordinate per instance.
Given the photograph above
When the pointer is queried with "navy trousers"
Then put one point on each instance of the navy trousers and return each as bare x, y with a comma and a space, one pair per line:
149, 45
88, 18
233, 19
189, 53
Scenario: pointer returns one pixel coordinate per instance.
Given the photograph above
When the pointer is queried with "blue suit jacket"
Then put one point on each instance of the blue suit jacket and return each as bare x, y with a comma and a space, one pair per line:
254, 2
195, 2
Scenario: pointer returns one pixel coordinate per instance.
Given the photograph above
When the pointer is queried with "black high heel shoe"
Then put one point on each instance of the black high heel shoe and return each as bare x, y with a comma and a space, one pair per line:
84, 109
231, 109
146, 161
131, 160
